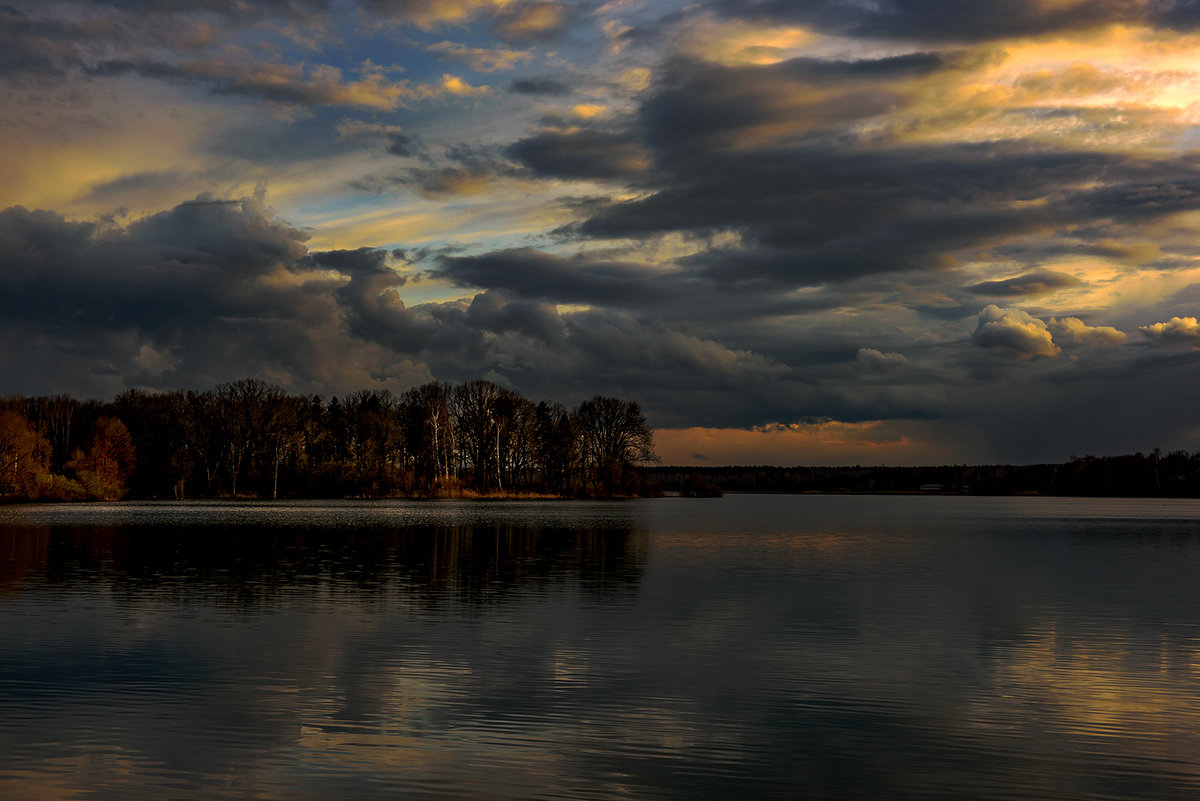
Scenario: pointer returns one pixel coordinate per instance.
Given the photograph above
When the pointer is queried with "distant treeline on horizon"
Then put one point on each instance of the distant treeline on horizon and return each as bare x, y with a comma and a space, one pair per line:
1154, 474
249, 438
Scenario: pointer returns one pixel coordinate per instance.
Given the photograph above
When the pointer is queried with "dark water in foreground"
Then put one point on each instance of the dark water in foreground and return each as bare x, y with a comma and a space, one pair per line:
741, 648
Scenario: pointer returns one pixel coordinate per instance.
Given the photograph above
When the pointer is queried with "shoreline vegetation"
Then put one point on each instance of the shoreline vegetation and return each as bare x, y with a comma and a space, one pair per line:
1140, 475
250, 439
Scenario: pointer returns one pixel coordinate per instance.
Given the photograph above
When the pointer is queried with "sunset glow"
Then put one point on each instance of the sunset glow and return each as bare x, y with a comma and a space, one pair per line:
795, 233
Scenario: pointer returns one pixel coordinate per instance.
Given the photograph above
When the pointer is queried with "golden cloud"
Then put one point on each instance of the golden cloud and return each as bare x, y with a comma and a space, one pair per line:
481, 59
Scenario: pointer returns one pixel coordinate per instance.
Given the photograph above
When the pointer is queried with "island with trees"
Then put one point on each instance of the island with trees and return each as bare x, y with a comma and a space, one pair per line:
249, 438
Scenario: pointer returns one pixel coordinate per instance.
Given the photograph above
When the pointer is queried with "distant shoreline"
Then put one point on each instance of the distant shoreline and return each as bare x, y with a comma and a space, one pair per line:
1140, 475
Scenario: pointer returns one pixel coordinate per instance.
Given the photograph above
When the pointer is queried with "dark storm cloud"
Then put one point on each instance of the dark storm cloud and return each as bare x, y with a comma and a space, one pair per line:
582, 153
974, 21
821, 205
493, 311
812, 214
539, 86
1133, 200
700, 105
533, 273
212, 290
201, 261
369, 302
209, 290
675, 297
1103, 411
1035, 283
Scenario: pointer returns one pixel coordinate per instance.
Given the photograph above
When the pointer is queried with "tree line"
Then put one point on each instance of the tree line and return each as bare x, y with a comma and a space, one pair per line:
1153, 474
250, 438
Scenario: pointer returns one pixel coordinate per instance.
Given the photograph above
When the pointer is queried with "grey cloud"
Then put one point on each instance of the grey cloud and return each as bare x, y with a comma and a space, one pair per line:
402, 144
280, 141
232, 8
702, 105
976, 21
822, 204
119, 189
1141, 199
204, 292
539, 86
89, 35
583, 153
460, 171
1053, 412
1035, 283
296, 85
536, 274
493, 311
213, 289
27, 46
877, 361
676, 297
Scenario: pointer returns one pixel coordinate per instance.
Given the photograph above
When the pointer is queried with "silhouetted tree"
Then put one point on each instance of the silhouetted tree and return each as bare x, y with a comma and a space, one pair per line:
477, 409
557, 448
614, 436
195, 415
242, 407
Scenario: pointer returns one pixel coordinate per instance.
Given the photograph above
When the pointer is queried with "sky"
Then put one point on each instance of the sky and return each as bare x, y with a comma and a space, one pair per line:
826, 232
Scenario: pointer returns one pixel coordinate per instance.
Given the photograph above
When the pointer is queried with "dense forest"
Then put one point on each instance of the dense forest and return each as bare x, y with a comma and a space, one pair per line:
1154, 474
249, 438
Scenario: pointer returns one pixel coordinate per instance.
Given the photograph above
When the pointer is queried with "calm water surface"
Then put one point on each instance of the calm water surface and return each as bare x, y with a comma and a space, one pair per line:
738, 648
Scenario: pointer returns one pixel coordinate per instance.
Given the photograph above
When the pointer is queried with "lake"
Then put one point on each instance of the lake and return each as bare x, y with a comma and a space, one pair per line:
816, 647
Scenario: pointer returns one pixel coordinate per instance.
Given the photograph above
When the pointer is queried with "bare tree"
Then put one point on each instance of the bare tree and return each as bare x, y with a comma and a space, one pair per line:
478, 413
556, 448
195, 414
283, 431
241, 406
429, 433
614, 437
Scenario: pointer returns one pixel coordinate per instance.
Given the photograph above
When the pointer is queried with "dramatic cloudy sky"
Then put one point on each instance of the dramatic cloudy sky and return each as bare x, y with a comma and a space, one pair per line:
797, 232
